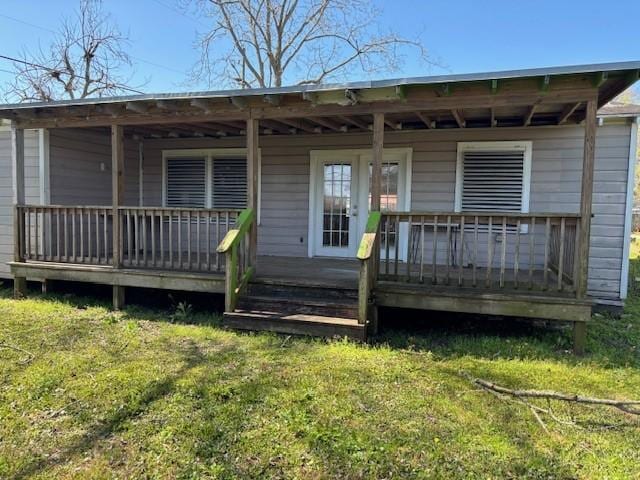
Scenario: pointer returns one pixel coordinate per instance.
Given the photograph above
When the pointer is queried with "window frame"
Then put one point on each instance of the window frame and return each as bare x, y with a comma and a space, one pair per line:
210, 155
478, 146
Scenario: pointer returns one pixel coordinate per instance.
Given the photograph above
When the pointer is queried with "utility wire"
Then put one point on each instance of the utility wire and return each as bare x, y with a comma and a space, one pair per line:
53, 70
46, 29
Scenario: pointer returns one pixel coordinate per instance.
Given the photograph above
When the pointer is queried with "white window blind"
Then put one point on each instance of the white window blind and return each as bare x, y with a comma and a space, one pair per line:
186, 182
493, 180
229, 183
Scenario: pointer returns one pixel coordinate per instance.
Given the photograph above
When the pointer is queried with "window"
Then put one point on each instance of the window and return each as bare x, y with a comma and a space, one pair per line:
493, 176
229, 189
205, 178
186, 185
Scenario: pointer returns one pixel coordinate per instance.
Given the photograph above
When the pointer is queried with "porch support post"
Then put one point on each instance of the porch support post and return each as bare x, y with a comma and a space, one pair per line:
252, 183
586, 197
376, 167
117, 187
376, 204
17, 173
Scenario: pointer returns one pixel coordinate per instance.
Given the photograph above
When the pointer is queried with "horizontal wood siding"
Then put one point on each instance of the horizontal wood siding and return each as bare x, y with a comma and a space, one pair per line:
32, 190
77, 177
555, 179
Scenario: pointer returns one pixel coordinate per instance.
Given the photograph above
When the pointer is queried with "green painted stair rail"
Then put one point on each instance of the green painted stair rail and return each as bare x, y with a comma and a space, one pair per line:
237, 271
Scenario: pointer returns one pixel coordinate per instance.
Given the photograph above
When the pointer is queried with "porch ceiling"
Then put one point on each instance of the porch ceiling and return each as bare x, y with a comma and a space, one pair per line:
502, 99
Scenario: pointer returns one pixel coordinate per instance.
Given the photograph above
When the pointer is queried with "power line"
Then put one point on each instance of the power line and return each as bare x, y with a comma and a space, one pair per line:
54, 71
27, 23
148, 62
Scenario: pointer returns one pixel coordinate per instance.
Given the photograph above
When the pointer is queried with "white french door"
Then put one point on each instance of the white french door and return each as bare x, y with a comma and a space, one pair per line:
340, 197
336, 212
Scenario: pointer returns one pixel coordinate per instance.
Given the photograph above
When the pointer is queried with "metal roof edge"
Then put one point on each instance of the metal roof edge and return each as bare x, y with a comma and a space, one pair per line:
371, 84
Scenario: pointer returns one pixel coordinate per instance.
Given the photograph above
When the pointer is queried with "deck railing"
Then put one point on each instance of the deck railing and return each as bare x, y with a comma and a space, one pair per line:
183, 239
174, 238
66, 234
481, 249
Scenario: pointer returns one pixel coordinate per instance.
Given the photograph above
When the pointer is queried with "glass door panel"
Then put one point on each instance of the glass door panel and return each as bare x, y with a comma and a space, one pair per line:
337, 236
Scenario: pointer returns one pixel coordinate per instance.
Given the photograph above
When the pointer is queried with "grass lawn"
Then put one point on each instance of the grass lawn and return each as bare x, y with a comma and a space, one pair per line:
89, 393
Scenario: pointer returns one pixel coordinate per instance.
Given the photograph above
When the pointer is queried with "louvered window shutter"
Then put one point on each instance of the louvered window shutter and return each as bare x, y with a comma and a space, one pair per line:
186, 179
229, 183
492, 181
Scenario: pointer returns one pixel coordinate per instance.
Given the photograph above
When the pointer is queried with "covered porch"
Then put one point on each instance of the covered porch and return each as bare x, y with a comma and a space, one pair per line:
409, 254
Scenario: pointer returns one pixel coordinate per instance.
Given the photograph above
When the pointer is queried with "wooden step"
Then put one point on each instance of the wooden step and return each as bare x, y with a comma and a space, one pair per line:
295, 323
343, 308
283, 289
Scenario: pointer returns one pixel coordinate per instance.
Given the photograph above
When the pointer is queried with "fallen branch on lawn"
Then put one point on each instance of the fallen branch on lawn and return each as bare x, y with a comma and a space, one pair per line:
626, 406
17, 349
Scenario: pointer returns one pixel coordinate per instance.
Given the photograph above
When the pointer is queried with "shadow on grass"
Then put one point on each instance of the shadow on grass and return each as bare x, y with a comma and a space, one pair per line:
103, 429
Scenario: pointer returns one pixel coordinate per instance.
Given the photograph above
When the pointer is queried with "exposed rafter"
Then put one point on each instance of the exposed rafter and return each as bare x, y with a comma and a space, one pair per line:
276, 126
459, 118
298, 125
325, 122
529, 116
567, 112
272, 99
201, 104
426, 120
137, 107
544, 83
355, 122
599, 78
239, 102
167, 105
392, 125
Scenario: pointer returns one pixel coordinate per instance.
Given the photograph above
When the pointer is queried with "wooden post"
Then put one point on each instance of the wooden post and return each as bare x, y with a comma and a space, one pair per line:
17, 171
252, 184
586, 197
118, 297
376, 164
579, 337
117, 188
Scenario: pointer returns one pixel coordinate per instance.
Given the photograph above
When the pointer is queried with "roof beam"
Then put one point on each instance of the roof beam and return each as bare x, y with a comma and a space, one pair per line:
426, 120
225, 112
567, 112
459, 118
529, 116
201, 104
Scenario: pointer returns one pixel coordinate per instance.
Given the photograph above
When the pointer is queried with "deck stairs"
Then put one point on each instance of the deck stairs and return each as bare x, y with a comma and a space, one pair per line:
289, 307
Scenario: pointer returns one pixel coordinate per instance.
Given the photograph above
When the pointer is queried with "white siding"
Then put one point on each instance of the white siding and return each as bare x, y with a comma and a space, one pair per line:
32, 190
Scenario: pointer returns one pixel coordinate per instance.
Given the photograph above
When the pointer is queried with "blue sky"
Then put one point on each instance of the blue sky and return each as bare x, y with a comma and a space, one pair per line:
464, 35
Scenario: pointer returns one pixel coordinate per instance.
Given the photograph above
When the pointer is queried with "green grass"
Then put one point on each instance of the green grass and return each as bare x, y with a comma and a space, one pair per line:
98, 394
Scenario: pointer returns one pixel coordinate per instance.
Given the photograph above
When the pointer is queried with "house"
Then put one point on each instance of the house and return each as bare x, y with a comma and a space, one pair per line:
309, 207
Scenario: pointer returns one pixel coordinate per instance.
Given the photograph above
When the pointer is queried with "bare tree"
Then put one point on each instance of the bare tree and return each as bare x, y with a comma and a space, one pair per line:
86, 59
263, 43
